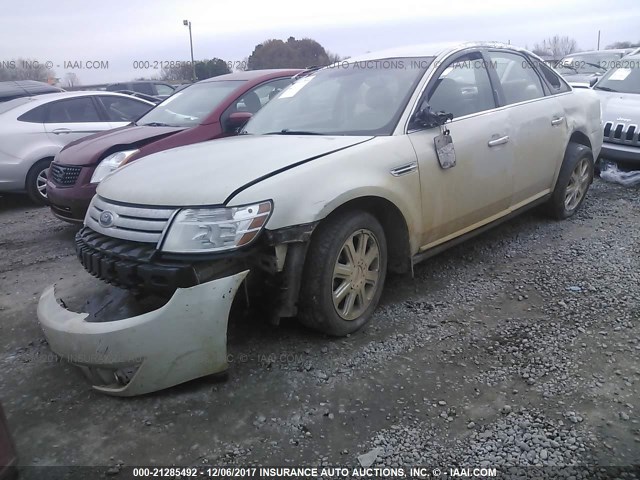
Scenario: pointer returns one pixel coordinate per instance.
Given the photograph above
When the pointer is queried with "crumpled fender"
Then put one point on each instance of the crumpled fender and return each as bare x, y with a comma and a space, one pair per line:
184, 339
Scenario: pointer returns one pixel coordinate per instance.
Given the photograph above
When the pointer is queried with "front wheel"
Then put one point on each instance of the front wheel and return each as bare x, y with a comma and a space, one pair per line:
344, 273
574, 180
37, 181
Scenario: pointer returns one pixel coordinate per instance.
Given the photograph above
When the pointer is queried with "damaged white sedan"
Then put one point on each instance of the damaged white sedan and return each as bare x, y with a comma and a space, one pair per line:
363, 167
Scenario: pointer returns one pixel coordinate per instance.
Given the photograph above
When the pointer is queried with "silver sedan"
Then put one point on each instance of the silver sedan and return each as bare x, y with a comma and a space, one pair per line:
34, 129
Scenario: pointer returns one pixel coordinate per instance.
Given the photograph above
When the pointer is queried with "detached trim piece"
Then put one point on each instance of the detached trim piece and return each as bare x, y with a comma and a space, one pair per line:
183, 340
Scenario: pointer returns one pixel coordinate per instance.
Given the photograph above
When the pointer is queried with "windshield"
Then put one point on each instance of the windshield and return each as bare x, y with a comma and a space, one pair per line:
189, 106
625, 79
588, 63
347, 98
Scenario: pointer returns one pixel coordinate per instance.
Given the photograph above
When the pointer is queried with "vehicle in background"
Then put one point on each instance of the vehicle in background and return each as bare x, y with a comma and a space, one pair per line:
11, 90
619, 92
585, 68
369, 166
33, 130
147, 87
8, 457
206, 110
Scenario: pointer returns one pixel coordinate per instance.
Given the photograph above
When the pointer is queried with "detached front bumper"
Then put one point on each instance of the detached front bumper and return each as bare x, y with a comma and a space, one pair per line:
180, 341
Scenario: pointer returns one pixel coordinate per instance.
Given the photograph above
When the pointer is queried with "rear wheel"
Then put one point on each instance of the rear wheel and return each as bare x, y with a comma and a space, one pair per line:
573, 182
36, 183
344, 273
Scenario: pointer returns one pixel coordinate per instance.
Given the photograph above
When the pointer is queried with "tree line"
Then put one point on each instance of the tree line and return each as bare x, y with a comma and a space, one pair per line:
272, 53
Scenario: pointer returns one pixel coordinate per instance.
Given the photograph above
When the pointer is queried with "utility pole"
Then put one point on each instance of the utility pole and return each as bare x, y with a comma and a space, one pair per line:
187, 23
598, 39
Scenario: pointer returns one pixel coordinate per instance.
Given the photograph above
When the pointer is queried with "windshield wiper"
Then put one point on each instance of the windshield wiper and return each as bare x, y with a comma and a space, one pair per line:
569, 66
287, 131
596, 65
156, 124
606, 89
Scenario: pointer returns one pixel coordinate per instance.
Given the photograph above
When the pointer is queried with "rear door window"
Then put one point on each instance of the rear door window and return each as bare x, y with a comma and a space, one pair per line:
519, 80
73, 110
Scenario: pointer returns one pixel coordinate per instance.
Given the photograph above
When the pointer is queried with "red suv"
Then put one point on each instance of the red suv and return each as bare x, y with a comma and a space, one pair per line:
210, 109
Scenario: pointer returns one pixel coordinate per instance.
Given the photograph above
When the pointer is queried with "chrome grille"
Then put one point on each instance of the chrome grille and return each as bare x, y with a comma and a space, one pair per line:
127, 222
64, 175
621, 133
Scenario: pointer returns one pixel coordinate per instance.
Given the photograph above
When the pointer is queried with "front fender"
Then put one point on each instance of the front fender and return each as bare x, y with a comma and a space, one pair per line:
310, 192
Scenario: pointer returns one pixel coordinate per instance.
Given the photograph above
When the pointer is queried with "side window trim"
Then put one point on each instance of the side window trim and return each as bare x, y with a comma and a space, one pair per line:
564, 86
545, 88
102, 112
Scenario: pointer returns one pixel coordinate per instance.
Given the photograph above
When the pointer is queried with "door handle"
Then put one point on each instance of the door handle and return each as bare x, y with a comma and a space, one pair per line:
557, 121
499, 141
59, 131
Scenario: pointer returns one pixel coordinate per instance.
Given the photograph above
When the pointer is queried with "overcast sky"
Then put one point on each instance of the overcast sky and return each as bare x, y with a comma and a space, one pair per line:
122, 31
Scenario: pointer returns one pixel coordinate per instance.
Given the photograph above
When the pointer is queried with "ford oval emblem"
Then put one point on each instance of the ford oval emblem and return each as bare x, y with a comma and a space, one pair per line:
106, 219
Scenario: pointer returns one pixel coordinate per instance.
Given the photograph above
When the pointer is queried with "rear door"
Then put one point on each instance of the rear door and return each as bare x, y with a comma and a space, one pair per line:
73, 118
537, 120
478, 188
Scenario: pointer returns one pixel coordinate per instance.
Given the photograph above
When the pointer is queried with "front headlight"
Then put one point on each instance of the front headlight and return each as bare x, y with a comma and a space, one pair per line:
110, 163
196, 230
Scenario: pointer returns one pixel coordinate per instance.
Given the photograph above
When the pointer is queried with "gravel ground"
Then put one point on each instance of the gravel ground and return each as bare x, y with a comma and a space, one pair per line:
518, 349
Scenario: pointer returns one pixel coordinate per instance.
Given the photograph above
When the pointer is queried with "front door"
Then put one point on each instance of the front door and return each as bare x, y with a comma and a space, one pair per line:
478, 188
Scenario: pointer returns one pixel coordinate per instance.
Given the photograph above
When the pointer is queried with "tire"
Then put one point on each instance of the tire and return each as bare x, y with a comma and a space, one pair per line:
34, 187
341, 287
576, 175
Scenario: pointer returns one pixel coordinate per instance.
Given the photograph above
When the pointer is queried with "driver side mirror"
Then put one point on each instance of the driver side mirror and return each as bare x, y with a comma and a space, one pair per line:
237, 120
593, 81
427, 118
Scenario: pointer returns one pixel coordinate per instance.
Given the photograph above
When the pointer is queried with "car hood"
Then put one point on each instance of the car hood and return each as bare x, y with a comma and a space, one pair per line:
211, 173
90, 150
619, 107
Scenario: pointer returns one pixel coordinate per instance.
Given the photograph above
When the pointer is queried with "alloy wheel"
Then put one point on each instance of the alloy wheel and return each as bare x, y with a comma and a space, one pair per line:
41, 182
356, 274
578, 185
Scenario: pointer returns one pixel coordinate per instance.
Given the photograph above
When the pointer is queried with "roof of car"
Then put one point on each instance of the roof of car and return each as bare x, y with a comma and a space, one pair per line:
25, 87
48, 97
428, 50
253, 74
591, 52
